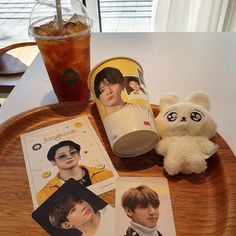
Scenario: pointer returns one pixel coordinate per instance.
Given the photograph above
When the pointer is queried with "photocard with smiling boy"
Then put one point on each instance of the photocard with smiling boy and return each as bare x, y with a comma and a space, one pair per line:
69, 149
74, 210
143, 207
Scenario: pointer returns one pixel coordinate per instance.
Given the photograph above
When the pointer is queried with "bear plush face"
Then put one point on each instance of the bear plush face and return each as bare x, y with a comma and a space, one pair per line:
190, 117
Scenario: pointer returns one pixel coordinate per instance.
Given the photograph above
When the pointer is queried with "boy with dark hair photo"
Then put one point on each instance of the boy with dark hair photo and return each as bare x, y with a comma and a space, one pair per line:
134, 89
65, 155
141, 205
72, 213
75, 210
108, 86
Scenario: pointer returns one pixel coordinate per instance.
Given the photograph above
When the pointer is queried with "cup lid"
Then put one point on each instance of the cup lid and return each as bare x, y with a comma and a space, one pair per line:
72, 11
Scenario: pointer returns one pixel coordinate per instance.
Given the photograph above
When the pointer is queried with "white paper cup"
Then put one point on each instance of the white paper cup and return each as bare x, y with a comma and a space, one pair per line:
120, 94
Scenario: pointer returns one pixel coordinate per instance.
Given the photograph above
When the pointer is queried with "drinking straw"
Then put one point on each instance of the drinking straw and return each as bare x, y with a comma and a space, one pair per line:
59, 16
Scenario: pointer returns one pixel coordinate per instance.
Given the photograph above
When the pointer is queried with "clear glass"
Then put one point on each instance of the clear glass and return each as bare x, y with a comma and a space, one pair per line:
66, 49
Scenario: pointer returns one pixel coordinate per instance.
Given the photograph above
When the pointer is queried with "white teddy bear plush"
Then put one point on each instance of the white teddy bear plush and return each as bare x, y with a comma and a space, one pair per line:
185, 129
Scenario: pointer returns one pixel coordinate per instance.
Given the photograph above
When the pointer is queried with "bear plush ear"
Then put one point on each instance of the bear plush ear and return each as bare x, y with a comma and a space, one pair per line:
199, 97
168, 99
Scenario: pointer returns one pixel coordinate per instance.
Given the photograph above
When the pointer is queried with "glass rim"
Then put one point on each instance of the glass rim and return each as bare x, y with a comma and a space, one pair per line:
82, 33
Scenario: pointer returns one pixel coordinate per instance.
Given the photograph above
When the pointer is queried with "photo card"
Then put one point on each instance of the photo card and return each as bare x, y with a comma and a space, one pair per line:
69, 149
143, 206
74, 210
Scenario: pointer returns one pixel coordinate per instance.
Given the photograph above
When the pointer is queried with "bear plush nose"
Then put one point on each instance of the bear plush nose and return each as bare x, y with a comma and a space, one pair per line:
183, 119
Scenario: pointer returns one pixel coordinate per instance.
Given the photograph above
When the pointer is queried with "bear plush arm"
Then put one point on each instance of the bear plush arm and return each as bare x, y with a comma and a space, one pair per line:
208, 147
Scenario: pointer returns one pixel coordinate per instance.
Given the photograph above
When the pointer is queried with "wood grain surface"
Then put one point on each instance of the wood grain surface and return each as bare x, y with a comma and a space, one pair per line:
203, 204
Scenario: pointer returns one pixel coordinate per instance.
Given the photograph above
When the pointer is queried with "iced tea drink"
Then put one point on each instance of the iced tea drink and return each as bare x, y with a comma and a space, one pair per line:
66, 56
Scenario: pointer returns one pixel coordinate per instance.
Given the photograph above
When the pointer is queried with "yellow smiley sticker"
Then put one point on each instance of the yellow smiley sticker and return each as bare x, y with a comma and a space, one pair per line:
78, 124
46, 174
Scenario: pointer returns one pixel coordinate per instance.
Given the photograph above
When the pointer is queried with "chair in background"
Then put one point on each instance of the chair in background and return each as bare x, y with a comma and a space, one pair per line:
14, 60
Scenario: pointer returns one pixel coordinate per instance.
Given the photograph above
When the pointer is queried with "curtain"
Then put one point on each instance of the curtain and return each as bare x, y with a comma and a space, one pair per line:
230, 18
194, 15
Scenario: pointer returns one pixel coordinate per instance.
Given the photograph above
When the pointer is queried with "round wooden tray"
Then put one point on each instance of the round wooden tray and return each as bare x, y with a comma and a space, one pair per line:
203, 204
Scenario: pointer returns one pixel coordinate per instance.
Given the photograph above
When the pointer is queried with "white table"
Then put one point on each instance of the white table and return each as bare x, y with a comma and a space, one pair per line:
179, 62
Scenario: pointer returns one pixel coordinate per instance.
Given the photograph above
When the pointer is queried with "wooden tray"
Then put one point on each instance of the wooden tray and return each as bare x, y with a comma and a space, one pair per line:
203, 204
